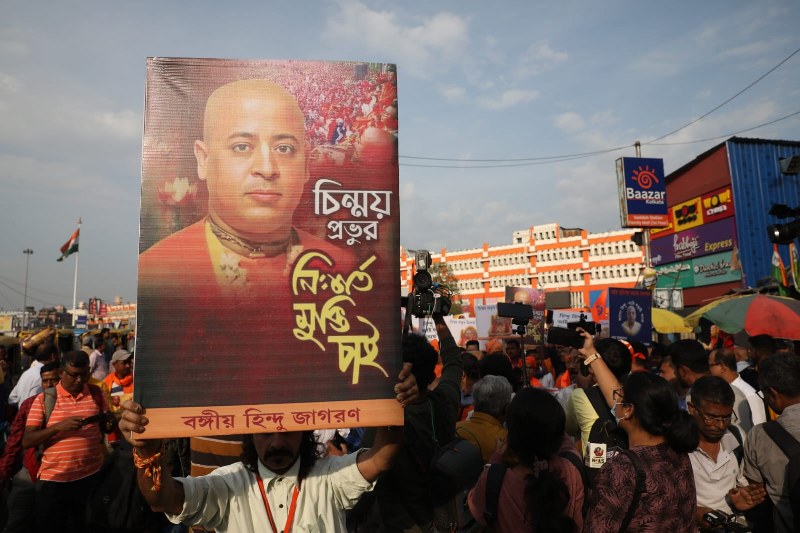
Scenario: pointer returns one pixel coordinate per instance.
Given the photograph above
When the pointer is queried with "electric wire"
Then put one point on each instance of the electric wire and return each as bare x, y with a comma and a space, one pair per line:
533, 161
701, 117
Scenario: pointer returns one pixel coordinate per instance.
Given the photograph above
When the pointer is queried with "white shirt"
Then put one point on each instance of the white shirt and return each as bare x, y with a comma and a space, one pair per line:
712, 479
97, 365
229, 500
29, 384
757, 410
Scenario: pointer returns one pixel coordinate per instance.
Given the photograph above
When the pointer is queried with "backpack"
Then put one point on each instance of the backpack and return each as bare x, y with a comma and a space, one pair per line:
115, 504
604, 431
466, 523
791, 449
454, 467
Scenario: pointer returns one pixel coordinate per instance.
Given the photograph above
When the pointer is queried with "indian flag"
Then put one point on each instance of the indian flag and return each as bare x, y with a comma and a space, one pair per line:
779, 271
71, 246
794, 265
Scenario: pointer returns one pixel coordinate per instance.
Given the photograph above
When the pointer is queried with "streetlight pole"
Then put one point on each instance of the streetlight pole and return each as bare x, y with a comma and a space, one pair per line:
28, 253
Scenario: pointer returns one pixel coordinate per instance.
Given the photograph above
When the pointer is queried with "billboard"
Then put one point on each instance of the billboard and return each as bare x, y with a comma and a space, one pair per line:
268, 246
630, 314
702, 240
704, 209
642, 192
700, 271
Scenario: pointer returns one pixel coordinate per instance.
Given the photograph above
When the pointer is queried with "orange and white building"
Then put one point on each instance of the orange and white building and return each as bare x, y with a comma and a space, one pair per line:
546, 257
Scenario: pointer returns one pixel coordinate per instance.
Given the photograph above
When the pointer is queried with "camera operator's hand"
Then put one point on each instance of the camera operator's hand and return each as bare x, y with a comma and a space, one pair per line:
441, 326
745, 498
588, 344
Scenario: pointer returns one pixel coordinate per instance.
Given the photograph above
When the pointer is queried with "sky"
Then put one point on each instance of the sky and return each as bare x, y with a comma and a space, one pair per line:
497, 81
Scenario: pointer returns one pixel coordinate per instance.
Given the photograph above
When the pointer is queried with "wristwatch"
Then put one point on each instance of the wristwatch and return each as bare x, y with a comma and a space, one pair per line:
591, 358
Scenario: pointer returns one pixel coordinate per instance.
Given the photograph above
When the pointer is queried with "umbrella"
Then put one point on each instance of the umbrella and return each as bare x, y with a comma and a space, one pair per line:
668, 322
756, 314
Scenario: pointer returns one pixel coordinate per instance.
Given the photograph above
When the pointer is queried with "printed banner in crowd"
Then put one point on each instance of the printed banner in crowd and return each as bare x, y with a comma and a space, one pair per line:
268, 247
535, 298
492, 329
463, 329
631, 314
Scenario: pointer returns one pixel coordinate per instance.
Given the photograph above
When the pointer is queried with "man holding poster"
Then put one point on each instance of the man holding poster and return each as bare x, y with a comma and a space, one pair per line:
257, 293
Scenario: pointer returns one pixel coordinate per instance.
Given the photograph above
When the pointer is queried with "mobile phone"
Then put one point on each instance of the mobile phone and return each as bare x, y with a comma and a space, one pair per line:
94, 419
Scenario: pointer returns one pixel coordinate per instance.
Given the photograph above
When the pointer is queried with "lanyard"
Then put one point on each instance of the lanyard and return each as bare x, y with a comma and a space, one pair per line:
287, 528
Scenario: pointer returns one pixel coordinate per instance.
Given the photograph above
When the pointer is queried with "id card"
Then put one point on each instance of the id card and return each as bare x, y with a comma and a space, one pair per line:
595, 454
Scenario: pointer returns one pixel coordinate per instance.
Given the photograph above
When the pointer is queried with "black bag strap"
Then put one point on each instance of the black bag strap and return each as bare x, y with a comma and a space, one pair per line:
788, 444
641, 477
595, 396
475, 438
738, 452
494, 480
573, 458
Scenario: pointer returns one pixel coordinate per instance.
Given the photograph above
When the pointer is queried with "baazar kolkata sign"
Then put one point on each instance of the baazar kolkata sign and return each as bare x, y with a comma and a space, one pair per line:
699, 241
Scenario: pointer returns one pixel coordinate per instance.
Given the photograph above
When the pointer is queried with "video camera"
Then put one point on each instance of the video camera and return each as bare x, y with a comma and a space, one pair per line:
428, 297
726, 522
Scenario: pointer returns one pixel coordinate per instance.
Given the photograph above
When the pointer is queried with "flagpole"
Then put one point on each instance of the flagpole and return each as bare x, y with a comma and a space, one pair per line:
75, 283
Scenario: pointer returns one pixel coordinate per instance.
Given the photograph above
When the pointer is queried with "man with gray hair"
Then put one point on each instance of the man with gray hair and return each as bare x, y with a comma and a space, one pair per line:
490, 397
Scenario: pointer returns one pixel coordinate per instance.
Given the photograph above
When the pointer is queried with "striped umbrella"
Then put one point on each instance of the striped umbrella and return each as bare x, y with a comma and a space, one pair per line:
756, 314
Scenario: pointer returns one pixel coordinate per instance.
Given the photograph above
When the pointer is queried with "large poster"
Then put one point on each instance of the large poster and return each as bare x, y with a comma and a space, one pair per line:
631, 314
268, 247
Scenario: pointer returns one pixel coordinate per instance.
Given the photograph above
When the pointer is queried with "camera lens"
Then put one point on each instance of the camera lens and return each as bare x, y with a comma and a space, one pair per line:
423, 280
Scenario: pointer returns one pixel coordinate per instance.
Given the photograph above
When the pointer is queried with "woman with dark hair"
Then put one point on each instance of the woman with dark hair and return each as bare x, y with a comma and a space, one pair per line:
540, 491
660, 438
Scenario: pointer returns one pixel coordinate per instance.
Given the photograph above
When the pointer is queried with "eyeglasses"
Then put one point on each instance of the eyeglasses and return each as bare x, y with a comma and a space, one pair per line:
78, 375
717, 419
616, 394
710, 364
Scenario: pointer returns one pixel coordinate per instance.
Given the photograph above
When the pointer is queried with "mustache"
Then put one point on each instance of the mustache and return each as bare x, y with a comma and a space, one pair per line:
278, 452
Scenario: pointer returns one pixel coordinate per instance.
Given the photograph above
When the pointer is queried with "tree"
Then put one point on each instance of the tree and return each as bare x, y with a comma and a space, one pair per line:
443, 275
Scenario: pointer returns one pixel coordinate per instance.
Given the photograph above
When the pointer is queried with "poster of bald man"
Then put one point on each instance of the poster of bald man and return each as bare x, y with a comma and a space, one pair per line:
268, 246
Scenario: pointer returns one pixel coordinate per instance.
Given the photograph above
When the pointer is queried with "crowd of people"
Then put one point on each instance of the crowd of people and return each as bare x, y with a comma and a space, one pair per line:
613, 436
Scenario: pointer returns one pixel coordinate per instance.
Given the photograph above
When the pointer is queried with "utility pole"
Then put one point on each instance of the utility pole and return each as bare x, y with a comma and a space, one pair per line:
28, 253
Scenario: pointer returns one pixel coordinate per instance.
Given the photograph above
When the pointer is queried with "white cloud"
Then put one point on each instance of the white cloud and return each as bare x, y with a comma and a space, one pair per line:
452, 93
510, 98
9, 84
12, 43
570, 122
422, 48
659, 62
121, 124
540, 57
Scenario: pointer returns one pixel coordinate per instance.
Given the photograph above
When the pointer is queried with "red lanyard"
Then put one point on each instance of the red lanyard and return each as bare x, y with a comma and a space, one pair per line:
287, 528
